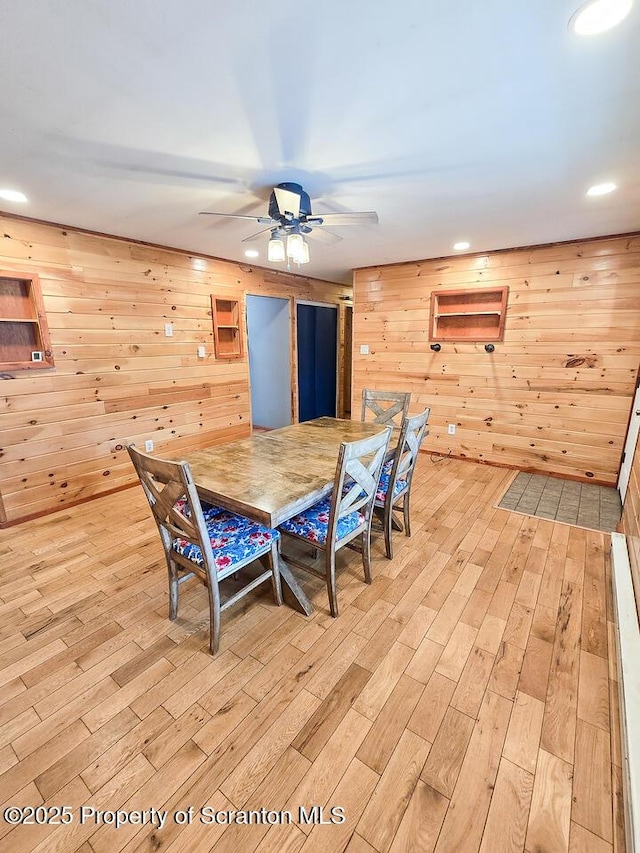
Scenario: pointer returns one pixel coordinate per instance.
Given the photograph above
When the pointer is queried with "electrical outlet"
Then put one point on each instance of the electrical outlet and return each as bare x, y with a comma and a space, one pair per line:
451, 429
364, 349
202, 351
148, 445
168, 330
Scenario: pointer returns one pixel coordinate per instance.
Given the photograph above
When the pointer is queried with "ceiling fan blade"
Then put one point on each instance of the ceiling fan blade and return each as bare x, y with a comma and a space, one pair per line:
256, 235
362, 217
323, 236
288, 202
263, 220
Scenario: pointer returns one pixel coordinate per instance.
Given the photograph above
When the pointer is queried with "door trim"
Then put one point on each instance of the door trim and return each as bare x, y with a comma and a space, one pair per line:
630, 442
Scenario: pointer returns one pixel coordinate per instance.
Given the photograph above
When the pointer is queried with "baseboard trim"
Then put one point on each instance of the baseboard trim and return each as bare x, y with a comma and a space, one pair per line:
526, 469
628, 635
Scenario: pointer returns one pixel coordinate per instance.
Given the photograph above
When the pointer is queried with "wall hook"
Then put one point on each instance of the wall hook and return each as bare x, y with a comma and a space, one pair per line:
489, 347
436, 347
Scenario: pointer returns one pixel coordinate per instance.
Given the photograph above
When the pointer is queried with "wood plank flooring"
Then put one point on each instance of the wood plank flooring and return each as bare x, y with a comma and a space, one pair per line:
465, 701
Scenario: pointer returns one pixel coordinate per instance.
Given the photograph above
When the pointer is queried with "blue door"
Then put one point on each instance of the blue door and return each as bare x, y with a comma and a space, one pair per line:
317, 330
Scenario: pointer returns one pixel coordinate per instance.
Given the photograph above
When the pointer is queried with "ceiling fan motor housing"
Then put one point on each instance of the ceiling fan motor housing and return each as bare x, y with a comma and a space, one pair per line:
305, 203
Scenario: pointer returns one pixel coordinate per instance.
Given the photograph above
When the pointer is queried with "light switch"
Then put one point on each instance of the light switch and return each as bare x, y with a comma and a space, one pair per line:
364, 349
201, 351
168, 330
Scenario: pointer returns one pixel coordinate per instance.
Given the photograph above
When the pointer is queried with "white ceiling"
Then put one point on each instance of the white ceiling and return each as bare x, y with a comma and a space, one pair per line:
483, 121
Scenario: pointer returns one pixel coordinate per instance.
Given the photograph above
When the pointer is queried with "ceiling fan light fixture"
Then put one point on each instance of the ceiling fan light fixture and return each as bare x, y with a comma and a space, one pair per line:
295, 243
304, 253
275, 251
599, 16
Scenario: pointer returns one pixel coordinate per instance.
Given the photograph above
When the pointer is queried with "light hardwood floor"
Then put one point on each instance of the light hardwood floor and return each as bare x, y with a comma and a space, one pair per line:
465, 701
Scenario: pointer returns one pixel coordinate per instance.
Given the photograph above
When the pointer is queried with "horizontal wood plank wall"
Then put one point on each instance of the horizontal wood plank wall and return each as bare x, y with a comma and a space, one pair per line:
117, 377
630, 522
555, 396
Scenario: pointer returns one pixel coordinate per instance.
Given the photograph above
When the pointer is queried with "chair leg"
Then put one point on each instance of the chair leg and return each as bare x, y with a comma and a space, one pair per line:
405, 510
387, 523
366, 554
174, 587
275, 573
214, 616
330, 569
214, 629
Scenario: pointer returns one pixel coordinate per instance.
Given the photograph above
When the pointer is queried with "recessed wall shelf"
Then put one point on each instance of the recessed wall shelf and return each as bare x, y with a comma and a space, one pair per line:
24, 333
227, 334
477, 314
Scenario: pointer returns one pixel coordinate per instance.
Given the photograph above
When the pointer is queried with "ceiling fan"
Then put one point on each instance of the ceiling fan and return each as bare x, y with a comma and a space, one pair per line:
290, 218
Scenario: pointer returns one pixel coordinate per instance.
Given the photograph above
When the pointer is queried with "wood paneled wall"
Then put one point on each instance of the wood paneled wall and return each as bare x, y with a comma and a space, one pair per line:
555, 396
117, 377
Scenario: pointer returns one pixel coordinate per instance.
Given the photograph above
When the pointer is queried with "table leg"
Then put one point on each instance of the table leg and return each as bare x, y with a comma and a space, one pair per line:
296, 590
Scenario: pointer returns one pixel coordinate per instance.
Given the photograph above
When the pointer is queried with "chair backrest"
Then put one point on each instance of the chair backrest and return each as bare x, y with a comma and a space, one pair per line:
356, 480
174, 502
386, 407
412, 433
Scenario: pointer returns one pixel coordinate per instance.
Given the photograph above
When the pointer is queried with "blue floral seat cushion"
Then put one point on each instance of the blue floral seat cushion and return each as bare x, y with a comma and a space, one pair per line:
383, 485
234, 540
208, 510
312, 524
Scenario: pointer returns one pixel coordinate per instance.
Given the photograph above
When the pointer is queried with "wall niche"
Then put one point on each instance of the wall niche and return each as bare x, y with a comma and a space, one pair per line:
476, 314
24, 333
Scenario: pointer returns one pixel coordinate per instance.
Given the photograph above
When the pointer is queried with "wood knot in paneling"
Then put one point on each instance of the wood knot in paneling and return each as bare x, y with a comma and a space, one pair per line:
580, 361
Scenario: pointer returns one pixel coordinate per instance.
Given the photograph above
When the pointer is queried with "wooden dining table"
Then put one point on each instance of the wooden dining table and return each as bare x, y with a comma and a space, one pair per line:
271, 476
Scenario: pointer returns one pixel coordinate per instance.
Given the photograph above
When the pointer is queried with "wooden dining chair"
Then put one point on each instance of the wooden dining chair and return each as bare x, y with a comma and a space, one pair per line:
385, 407
202, 540
394, 488
343, 518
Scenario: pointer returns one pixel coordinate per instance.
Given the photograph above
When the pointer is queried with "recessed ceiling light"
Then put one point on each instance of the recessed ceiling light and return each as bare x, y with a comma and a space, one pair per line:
598, 16
461, 246
252, 253
602, 189
12, 195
